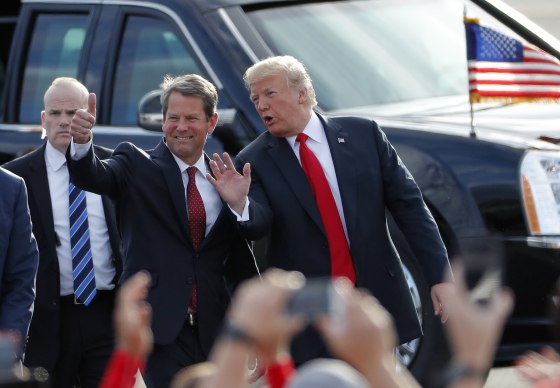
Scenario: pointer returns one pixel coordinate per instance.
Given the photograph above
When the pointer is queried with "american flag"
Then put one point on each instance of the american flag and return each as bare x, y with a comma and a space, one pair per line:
502, 68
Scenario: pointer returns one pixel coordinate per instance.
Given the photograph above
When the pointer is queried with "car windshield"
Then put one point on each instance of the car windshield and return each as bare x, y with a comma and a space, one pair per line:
364, 53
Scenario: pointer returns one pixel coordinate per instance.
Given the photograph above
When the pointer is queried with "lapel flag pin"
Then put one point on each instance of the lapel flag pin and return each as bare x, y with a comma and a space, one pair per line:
340, 140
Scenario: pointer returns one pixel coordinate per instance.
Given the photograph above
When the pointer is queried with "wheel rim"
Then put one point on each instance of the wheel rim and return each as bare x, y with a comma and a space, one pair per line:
407, 352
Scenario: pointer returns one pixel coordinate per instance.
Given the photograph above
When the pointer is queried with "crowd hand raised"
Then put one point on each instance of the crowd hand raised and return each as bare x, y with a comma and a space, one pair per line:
230, 184
361, 332
83, 121
133, 317
535, 367
474, 329
258, 309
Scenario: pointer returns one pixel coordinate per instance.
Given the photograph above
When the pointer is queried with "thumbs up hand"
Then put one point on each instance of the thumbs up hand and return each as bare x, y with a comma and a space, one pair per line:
83, 121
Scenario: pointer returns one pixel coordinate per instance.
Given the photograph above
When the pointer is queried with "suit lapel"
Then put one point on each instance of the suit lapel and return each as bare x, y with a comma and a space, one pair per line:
40, 192
340, 144
163, 158
288, 164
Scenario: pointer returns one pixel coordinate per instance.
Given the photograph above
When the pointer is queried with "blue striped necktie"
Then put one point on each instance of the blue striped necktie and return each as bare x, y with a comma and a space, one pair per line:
82, 259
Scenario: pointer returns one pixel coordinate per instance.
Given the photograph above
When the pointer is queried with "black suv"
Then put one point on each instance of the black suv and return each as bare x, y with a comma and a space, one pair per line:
402, 63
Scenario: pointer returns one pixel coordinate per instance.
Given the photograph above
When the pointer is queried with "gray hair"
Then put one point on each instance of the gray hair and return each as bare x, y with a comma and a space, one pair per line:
296, 74
190, 85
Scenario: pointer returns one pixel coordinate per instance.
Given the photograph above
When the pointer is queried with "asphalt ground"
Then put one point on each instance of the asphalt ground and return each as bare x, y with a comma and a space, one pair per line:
505, 377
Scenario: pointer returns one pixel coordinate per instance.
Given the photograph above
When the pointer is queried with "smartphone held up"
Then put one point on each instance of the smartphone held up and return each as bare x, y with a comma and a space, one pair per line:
318, 297
482, 259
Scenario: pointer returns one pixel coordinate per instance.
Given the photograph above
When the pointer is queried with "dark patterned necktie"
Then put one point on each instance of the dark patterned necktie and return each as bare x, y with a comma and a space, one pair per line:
197, 220
82, 259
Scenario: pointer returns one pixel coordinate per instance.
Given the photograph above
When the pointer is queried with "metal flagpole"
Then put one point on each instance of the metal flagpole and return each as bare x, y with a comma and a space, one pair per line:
472, 133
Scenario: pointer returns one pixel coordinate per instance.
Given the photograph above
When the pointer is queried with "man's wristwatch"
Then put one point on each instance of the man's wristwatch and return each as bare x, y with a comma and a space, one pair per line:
233, 332
456, 371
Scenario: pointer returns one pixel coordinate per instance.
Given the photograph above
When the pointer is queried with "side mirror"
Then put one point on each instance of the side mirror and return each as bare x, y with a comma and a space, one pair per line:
150, 116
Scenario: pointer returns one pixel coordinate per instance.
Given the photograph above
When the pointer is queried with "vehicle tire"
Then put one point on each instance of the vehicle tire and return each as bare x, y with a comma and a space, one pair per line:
425, 357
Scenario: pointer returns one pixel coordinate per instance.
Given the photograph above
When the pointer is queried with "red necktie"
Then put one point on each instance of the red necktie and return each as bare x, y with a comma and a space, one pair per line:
197, 218
197, 214
341, 261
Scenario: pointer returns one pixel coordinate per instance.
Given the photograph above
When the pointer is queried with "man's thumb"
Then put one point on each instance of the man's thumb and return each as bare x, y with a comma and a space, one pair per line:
92, 101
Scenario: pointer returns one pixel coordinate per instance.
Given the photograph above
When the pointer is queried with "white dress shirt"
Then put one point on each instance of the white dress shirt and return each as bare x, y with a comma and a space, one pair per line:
318, 144
57, 173
210, 197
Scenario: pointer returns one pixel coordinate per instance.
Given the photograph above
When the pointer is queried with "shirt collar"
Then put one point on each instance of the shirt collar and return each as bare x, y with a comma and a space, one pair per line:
313, 129
200, 164
54, 157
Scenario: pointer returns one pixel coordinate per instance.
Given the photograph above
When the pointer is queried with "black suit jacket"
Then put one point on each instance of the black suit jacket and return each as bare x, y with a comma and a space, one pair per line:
371, 178
152, 217
44, 332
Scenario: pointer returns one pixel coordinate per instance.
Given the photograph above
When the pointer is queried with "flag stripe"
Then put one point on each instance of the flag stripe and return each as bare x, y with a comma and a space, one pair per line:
513, 67
496, 93
521, 78
479, 81
516, 88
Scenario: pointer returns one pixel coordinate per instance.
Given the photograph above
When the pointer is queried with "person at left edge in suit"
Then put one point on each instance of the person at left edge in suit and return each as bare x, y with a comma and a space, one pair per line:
18, 262
71, 334
173, 222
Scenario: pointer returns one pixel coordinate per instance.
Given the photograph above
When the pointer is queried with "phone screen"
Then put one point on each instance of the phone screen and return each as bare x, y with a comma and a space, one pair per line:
312, 300
482, 259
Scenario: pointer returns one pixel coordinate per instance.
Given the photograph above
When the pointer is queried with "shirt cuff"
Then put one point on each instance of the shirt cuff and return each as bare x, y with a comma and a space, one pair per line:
79, 151
244, 216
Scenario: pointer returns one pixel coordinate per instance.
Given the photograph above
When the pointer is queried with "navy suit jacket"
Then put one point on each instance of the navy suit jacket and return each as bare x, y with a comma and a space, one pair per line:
44, 333
372, 179
18, 256
152, 217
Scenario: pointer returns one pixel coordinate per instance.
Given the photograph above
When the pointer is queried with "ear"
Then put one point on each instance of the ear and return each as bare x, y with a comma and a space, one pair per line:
302, 96
212, 123
43, 114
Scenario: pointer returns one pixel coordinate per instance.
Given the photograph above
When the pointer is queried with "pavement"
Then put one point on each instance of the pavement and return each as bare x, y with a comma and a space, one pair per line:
505, 377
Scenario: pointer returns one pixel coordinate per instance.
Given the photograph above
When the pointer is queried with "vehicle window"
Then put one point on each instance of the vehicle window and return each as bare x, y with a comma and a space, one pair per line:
149, 50
7, 26
366, 53
55, 51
